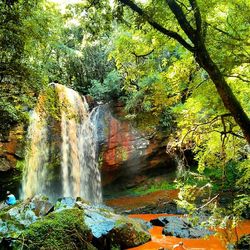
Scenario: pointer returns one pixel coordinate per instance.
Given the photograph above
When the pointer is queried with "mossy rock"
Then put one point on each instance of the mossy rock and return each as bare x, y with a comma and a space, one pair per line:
14, 219
128, 233
58, 230
73, 224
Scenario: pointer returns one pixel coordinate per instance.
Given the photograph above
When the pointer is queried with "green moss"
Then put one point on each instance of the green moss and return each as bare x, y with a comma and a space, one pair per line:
4, 211
20, 164
153, 187
60, 230
52, 105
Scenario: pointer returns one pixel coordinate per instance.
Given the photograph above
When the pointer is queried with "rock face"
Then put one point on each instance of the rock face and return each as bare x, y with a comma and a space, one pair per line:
11, 148
123, 151
69, 224
12, 153
180, 227
126, 156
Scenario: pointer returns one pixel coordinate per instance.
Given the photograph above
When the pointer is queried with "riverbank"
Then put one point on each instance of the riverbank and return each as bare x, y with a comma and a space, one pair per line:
147, 205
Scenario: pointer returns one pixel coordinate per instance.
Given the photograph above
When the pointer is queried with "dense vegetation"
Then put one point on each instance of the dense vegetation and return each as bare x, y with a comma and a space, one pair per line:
181, 68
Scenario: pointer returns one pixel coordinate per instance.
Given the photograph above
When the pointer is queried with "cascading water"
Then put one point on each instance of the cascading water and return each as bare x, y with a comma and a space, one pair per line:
61, 160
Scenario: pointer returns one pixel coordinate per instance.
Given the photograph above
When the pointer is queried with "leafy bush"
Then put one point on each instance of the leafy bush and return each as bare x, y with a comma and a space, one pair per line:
110, 89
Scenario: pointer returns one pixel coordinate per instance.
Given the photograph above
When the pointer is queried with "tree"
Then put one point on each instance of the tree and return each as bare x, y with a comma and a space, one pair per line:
28, 31
195, 31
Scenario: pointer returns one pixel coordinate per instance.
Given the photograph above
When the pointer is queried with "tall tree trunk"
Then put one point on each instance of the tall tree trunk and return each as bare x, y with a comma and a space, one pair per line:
228, 98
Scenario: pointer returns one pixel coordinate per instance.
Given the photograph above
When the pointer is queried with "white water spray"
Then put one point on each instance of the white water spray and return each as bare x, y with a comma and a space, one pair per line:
77, 173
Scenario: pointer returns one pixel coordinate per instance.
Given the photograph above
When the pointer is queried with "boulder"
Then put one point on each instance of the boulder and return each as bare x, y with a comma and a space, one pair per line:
110, 229
64, 229
180, 227
66, 202
128, 233
41, 205
14, 219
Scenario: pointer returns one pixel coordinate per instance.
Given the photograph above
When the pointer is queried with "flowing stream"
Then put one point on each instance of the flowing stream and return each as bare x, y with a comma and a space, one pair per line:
61, 160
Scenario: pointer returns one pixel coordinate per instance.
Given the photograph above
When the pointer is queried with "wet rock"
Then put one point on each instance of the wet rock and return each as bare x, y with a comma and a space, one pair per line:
110, 229
41, 205
66, 202
180, 227
100, 223
159, 222
14, 219
128, 234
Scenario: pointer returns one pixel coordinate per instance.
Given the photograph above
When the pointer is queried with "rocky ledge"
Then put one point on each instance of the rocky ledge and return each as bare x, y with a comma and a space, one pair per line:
69, 224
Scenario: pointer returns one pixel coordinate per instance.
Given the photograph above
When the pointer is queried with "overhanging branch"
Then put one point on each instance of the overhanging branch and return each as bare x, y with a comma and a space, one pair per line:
156, 25
197, 15
182, 20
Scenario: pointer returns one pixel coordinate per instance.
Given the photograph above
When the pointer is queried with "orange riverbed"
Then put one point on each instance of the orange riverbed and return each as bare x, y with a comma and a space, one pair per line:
140, 201
211, 243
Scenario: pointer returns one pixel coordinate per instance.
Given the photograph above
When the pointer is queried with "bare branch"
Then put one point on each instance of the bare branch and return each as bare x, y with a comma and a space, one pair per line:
210, 201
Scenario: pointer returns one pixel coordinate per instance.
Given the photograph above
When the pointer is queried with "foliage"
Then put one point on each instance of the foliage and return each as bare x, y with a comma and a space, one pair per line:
49, 102
154, 188
213, 191
147, 59
109, 89
27, 31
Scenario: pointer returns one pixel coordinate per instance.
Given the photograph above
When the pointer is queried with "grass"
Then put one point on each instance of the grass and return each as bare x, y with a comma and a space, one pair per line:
151, 186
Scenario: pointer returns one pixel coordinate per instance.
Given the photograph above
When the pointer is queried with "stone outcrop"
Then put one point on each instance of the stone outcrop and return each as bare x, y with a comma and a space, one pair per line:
12, 151
126, 156
124, 152
11, 148
69, 224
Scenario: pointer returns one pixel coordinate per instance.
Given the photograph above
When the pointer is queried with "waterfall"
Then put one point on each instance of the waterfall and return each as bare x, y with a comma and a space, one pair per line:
61, 160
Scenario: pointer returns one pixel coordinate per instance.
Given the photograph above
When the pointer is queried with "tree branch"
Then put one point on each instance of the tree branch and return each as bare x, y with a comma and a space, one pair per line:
144, 55
182, 20
238, 76
228, 34
197, 15
203, 124
156, 25
214, 198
